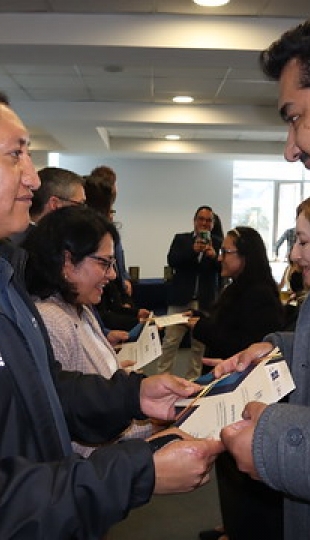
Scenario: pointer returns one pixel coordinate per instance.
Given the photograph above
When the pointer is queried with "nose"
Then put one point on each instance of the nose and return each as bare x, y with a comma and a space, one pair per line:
110, 273
295, 252
30, 177
291, 151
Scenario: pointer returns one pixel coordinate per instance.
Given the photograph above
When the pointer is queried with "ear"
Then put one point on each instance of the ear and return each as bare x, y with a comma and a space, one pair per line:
53, 203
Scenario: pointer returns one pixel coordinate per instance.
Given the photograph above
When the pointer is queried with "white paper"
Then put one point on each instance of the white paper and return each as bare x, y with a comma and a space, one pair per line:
168, 320
267, 383
144, 350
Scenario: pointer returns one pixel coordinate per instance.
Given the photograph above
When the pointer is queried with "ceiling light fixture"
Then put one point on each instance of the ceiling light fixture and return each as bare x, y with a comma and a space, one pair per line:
183, 99
211, 3
172, 137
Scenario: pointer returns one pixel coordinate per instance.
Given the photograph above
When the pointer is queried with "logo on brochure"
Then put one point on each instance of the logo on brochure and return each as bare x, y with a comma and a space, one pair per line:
274, 374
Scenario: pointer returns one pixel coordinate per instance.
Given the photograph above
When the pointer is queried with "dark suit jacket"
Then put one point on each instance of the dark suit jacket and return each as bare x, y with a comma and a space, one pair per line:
188, 267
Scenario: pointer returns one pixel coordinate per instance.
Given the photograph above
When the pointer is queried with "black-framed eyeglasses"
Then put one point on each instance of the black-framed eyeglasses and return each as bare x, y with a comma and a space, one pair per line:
106, 263
224, 251
72, 201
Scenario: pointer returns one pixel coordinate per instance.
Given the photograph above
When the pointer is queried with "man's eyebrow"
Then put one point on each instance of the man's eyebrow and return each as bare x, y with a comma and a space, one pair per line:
24, 141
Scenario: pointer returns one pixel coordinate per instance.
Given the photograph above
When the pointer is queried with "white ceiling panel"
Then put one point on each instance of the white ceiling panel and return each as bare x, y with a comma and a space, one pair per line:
72, 66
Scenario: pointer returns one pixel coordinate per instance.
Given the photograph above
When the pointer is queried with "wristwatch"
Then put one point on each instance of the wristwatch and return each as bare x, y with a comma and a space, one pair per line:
159, 442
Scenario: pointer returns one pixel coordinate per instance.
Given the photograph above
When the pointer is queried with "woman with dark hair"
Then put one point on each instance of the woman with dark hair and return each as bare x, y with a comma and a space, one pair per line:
247, 309
99, 194
71, 260
249, 306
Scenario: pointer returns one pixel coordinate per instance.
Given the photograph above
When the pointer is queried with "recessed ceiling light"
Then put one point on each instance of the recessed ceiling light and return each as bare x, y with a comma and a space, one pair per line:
113, 68
211, 3
183, 99
172, 137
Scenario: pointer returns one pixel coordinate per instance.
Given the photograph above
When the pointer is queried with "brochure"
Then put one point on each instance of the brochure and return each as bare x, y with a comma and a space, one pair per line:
144, 349
222, 401
168, 320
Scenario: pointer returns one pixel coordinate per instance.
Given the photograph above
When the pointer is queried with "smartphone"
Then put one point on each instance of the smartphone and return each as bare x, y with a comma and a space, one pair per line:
205, 236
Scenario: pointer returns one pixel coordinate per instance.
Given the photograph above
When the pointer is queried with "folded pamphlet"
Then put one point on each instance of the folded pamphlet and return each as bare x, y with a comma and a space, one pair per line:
222, 401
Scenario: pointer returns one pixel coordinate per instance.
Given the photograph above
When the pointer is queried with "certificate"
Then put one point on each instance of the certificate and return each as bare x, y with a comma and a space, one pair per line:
222, 401
144, 350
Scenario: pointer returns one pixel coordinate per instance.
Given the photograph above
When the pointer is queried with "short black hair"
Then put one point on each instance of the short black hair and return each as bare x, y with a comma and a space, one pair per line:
202, 208
295, 43
4, 100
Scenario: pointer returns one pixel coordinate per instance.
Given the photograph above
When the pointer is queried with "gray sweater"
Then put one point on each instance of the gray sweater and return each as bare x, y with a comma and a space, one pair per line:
281, 443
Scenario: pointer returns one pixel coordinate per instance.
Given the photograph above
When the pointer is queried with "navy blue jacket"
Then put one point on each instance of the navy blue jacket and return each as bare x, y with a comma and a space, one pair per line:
44, 494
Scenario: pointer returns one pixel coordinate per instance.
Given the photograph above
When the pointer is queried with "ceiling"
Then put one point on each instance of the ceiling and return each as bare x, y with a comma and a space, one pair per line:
98, 76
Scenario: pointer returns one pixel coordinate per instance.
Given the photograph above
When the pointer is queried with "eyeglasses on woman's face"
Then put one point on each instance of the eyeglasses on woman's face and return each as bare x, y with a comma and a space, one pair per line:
223, 252
107, 263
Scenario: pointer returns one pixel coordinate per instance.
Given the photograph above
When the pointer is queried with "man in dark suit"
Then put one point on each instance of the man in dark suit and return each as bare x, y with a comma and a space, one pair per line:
194, 285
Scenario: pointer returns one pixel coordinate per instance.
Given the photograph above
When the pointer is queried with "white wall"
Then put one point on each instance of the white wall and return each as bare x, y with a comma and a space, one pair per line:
158, 198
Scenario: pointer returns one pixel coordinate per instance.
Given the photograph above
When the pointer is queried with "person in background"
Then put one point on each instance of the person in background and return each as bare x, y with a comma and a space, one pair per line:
108, 176
247, 308
53, 492
116, 311
195, 284
58, 188
64, 275
272, 443
289, 237
217, 227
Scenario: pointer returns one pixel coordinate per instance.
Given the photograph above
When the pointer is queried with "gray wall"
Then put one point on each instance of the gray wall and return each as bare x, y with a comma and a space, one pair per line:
157, 198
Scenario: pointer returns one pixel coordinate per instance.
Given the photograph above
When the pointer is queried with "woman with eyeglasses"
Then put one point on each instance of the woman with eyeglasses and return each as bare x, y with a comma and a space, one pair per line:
71, 260
249, 306
247, 309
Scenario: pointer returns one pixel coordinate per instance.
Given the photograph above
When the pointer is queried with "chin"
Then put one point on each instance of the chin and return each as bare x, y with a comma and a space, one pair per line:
21, 225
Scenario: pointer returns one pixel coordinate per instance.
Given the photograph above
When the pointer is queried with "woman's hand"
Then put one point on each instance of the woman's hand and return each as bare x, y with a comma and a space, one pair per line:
241, 360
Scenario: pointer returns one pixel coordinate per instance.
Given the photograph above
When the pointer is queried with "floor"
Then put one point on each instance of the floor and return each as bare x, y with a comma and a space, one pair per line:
167, 517
177, 517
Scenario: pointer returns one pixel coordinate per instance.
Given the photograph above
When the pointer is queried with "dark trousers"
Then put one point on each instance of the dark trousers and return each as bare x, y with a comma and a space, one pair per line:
250, 509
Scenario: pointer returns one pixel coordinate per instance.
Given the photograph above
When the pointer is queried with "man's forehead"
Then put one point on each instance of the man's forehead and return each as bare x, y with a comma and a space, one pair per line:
289, 84
204, 212
13, 125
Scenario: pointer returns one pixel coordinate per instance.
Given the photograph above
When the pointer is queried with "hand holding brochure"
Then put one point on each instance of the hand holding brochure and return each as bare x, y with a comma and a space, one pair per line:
222, 401
144, 345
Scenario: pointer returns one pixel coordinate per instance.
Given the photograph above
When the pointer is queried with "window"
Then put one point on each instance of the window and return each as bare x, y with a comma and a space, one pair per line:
265, 196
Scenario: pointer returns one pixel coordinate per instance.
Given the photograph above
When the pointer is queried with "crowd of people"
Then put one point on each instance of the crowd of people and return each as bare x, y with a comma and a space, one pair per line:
84, 439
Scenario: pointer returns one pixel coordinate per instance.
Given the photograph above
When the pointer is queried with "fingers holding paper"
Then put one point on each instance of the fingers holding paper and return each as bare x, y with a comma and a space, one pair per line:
159, 393
241, 360
238, 438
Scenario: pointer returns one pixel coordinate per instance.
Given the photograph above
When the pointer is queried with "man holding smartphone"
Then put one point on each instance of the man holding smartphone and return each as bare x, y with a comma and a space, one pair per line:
194, 285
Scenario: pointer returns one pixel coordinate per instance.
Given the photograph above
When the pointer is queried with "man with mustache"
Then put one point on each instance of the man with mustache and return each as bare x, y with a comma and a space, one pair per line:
272, 443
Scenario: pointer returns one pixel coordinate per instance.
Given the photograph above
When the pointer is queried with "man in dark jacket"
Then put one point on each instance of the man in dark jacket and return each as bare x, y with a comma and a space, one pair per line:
194, 285
46, 491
